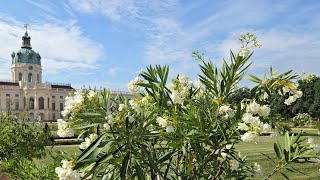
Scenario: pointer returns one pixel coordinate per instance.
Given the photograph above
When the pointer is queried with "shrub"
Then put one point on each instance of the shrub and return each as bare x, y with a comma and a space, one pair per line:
302, 119
21, 139
178, 129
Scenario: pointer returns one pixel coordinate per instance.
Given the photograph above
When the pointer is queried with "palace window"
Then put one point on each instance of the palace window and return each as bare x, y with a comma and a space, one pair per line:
30, 77
61, 106
20, 76
31, 103
16, 105
41, 103
54, 106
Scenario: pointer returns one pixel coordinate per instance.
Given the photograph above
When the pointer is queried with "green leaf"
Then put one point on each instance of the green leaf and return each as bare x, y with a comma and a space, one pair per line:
124, 166
287, 141
108, 156
166, 156
277, 150
86, 126
91, 148
139, 171
286, 155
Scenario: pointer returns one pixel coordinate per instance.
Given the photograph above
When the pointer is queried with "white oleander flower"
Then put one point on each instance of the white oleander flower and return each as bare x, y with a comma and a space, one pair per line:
285, 89
228, 146
121, 107
68, 132
248, 137
134, 104
298, 94
226, 112
132, 85
234, 165
170, 129
109, 119
64, 129
88, 141
223, 156
253, 107
72, 103
67, 164
257, 170
257, 44
264, 111
66, 172
92, 94
106, 126
248, 118
290, 100
162, 122
244, 52
131, 119
177, 97
184, 80
62, 124
171, 86
145, 101
242, 126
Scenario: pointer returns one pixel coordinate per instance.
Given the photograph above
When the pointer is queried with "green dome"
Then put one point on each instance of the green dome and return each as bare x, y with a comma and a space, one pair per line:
25, 55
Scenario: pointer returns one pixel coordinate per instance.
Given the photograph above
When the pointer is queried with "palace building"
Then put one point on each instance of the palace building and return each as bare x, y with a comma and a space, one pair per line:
26, 92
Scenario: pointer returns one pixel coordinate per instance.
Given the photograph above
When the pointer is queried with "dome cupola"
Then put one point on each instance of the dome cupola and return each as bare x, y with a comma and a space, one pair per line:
26, 54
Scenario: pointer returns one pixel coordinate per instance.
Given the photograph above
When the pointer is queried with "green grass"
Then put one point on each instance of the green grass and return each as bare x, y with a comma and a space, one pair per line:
253, 152
68, 149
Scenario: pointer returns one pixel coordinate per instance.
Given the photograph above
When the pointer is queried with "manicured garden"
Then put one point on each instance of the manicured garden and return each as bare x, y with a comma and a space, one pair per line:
175, 129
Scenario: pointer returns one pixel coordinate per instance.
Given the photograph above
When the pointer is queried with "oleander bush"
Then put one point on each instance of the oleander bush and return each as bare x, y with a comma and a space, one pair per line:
181, 129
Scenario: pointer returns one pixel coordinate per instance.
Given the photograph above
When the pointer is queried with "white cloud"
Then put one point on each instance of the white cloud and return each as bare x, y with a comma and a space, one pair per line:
117, 10
43, 5
113, 9
62, 47
283, 49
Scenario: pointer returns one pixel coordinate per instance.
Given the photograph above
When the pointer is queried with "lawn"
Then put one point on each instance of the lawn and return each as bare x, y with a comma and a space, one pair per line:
251, 150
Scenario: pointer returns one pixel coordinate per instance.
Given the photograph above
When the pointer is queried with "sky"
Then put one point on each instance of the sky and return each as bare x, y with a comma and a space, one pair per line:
106, 43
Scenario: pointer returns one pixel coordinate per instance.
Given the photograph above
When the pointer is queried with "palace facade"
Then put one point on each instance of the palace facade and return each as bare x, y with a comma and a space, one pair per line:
26, 92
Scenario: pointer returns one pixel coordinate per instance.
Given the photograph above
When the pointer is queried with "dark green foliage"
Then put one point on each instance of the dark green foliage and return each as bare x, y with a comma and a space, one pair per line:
238, 95
21, 139
308, 103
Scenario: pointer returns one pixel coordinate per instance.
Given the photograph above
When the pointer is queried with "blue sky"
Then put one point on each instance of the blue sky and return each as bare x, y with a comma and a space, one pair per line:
107, 42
